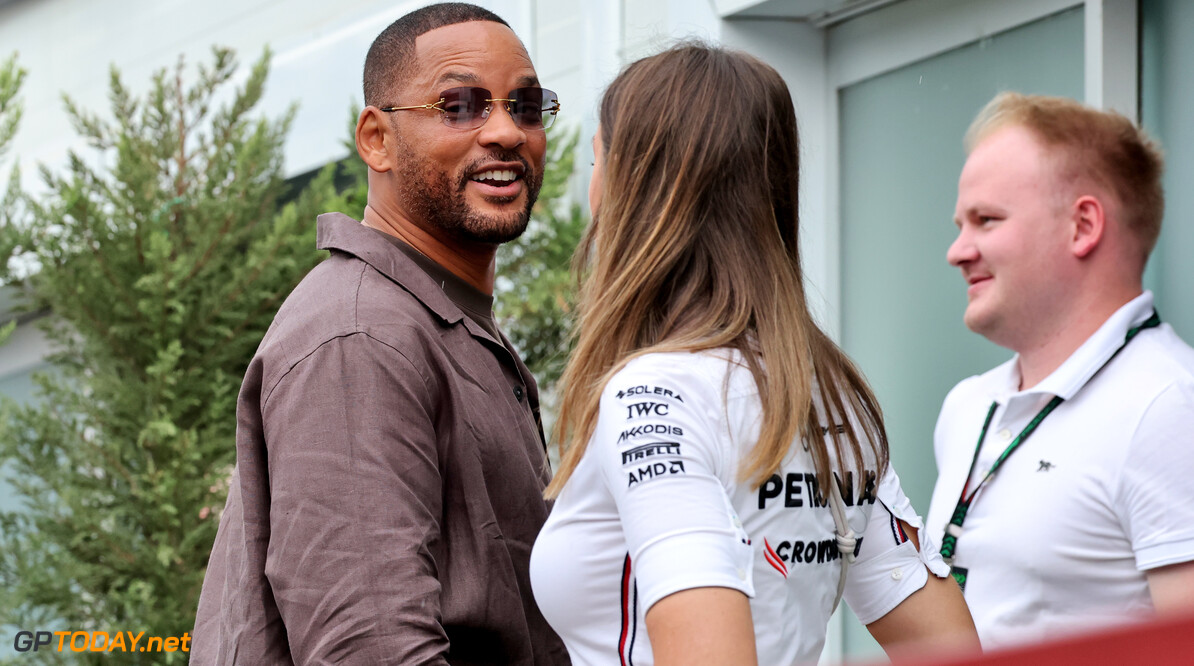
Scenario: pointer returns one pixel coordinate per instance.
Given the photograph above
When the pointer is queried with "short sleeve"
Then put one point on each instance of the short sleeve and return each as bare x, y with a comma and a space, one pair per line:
889, 568
1156, 498
662, 453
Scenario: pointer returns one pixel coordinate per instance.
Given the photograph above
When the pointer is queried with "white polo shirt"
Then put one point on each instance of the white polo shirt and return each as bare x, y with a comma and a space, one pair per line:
655, 507
1102, 491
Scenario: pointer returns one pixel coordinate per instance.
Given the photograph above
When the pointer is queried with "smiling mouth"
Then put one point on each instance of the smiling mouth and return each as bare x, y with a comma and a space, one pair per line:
496, 177
975, 282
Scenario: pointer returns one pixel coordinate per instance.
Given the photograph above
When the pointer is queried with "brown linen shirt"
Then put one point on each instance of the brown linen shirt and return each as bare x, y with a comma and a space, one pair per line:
389, 481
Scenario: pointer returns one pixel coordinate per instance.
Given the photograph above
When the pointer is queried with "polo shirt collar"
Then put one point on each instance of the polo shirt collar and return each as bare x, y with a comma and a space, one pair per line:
1082, 365
337, 231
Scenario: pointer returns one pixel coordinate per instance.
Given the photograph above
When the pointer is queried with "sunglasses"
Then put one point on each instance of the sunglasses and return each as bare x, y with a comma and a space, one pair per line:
468, 108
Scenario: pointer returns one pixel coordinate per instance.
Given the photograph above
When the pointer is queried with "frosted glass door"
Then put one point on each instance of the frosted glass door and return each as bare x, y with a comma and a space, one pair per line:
1167, 101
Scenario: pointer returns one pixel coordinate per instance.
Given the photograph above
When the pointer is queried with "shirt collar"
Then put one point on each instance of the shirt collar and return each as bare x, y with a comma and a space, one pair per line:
1081, 366
337, 231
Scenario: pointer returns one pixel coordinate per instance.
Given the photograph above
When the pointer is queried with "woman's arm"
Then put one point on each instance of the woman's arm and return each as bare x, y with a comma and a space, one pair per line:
934, 617
703, 625
681, 529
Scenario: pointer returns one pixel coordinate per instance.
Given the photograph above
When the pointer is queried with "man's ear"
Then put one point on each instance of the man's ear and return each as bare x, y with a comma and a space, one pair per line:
1089, 224
373, 143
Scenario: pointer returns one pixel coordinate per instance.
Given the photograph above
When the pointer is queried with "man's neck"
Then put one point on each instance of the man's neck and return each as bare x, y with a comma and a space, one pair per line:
475, 264
1041, 359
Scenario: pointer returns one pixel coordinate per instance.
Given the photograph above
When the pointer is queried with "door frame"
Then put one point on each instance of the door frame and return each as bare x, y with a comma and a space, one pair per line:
911, 31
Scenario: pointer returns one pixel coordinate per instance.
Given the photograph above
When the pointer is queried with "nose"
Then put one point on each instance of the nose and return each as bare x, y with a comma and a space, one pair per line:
500, 128
962, 250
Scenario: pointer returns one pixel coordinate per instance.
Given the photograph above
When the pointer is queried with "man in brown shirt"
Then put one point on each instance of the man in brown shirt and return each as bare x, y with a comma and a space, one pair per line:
390, 462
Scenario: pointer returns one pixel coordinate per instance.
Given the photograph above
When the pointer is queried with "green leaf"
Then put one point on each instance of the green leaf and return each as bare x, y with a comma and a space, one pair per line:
164, 256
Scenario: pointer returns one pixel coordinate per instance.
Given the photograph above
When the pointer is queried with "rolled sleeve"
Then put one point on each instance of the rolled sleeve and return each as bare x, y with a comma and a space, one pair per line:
890, 568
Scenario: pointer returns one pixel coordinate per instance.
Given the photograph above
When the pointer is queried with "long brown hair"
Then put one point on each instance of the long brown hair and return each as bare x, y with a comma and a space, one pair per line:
696, 247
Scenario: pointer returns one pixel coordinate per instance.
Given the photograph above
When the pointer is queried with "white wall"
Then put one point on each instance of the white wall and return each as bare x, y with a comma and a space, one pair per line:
319, 49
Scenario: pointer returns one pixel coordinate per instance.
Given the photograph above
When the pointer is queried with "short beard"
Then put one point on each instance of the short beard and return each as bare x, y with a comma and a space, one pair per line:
429, 194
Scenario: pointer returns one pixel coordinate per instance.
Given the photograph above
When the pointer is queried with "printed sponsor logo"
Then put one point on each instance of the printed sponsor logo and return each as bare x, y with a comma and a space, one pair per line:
805, 489
646, 409
651, 429
798, 551
648, 450
773, 559
837, 427
654, 471
650, 390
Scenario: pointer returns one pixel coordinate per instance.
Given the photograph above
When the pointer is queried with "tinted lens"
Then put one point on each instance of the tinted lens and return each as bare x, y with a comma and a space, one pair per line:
464, 108
533, 108
469, 107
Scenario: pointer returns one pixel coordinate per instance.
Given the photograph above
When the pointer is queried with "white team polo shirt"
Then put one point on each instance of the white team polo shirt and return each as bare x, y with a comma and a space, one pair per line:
655, 507
1102, 491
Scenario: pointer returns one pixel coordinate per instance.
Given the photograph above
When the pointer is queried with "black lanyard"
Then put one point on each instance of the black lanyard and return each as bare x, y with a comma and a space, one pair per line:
949, 542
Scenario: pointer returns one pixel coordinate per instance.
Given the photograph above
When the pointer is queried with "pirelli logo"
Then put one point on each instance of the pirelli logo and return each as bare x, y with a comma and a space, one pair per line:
648, 450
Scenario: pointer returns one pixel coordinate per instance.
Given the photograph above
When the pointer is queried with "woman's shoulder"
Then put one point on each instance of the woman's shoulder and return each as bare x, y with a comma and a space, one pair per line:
698, 371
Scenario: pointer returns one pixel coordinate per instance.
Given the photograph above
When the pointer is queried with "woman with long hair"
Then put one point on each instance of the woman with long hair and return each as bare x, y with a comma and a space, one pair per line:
724, 475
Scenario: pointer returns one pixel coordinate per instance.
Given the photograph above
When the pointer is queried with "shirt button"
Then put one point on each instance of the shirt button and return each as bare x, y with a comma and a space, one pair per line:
518, 393
897, 574
1005, 434
741, 574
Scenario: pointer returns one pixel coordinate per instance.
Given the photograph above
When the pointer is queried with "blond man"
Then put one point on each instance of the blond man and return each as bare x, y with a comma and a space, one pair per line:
1064, 498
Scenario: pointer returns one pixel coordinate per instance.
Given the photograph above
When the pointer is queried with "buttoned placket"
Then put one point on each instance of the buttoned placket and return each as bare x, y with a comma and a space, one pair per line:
1014, 412
505, 358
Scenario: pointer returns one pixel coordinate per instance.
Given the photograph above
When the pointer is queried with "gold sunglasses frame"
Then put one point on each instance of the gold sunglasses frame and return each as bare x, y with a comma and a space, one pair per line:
554, 110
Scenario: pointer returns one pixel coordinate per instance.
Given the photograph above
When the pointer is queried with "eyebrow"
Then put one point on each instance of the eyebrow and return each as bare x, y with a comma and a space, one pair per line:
966, 214
472, 79
460, 77
974, 211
